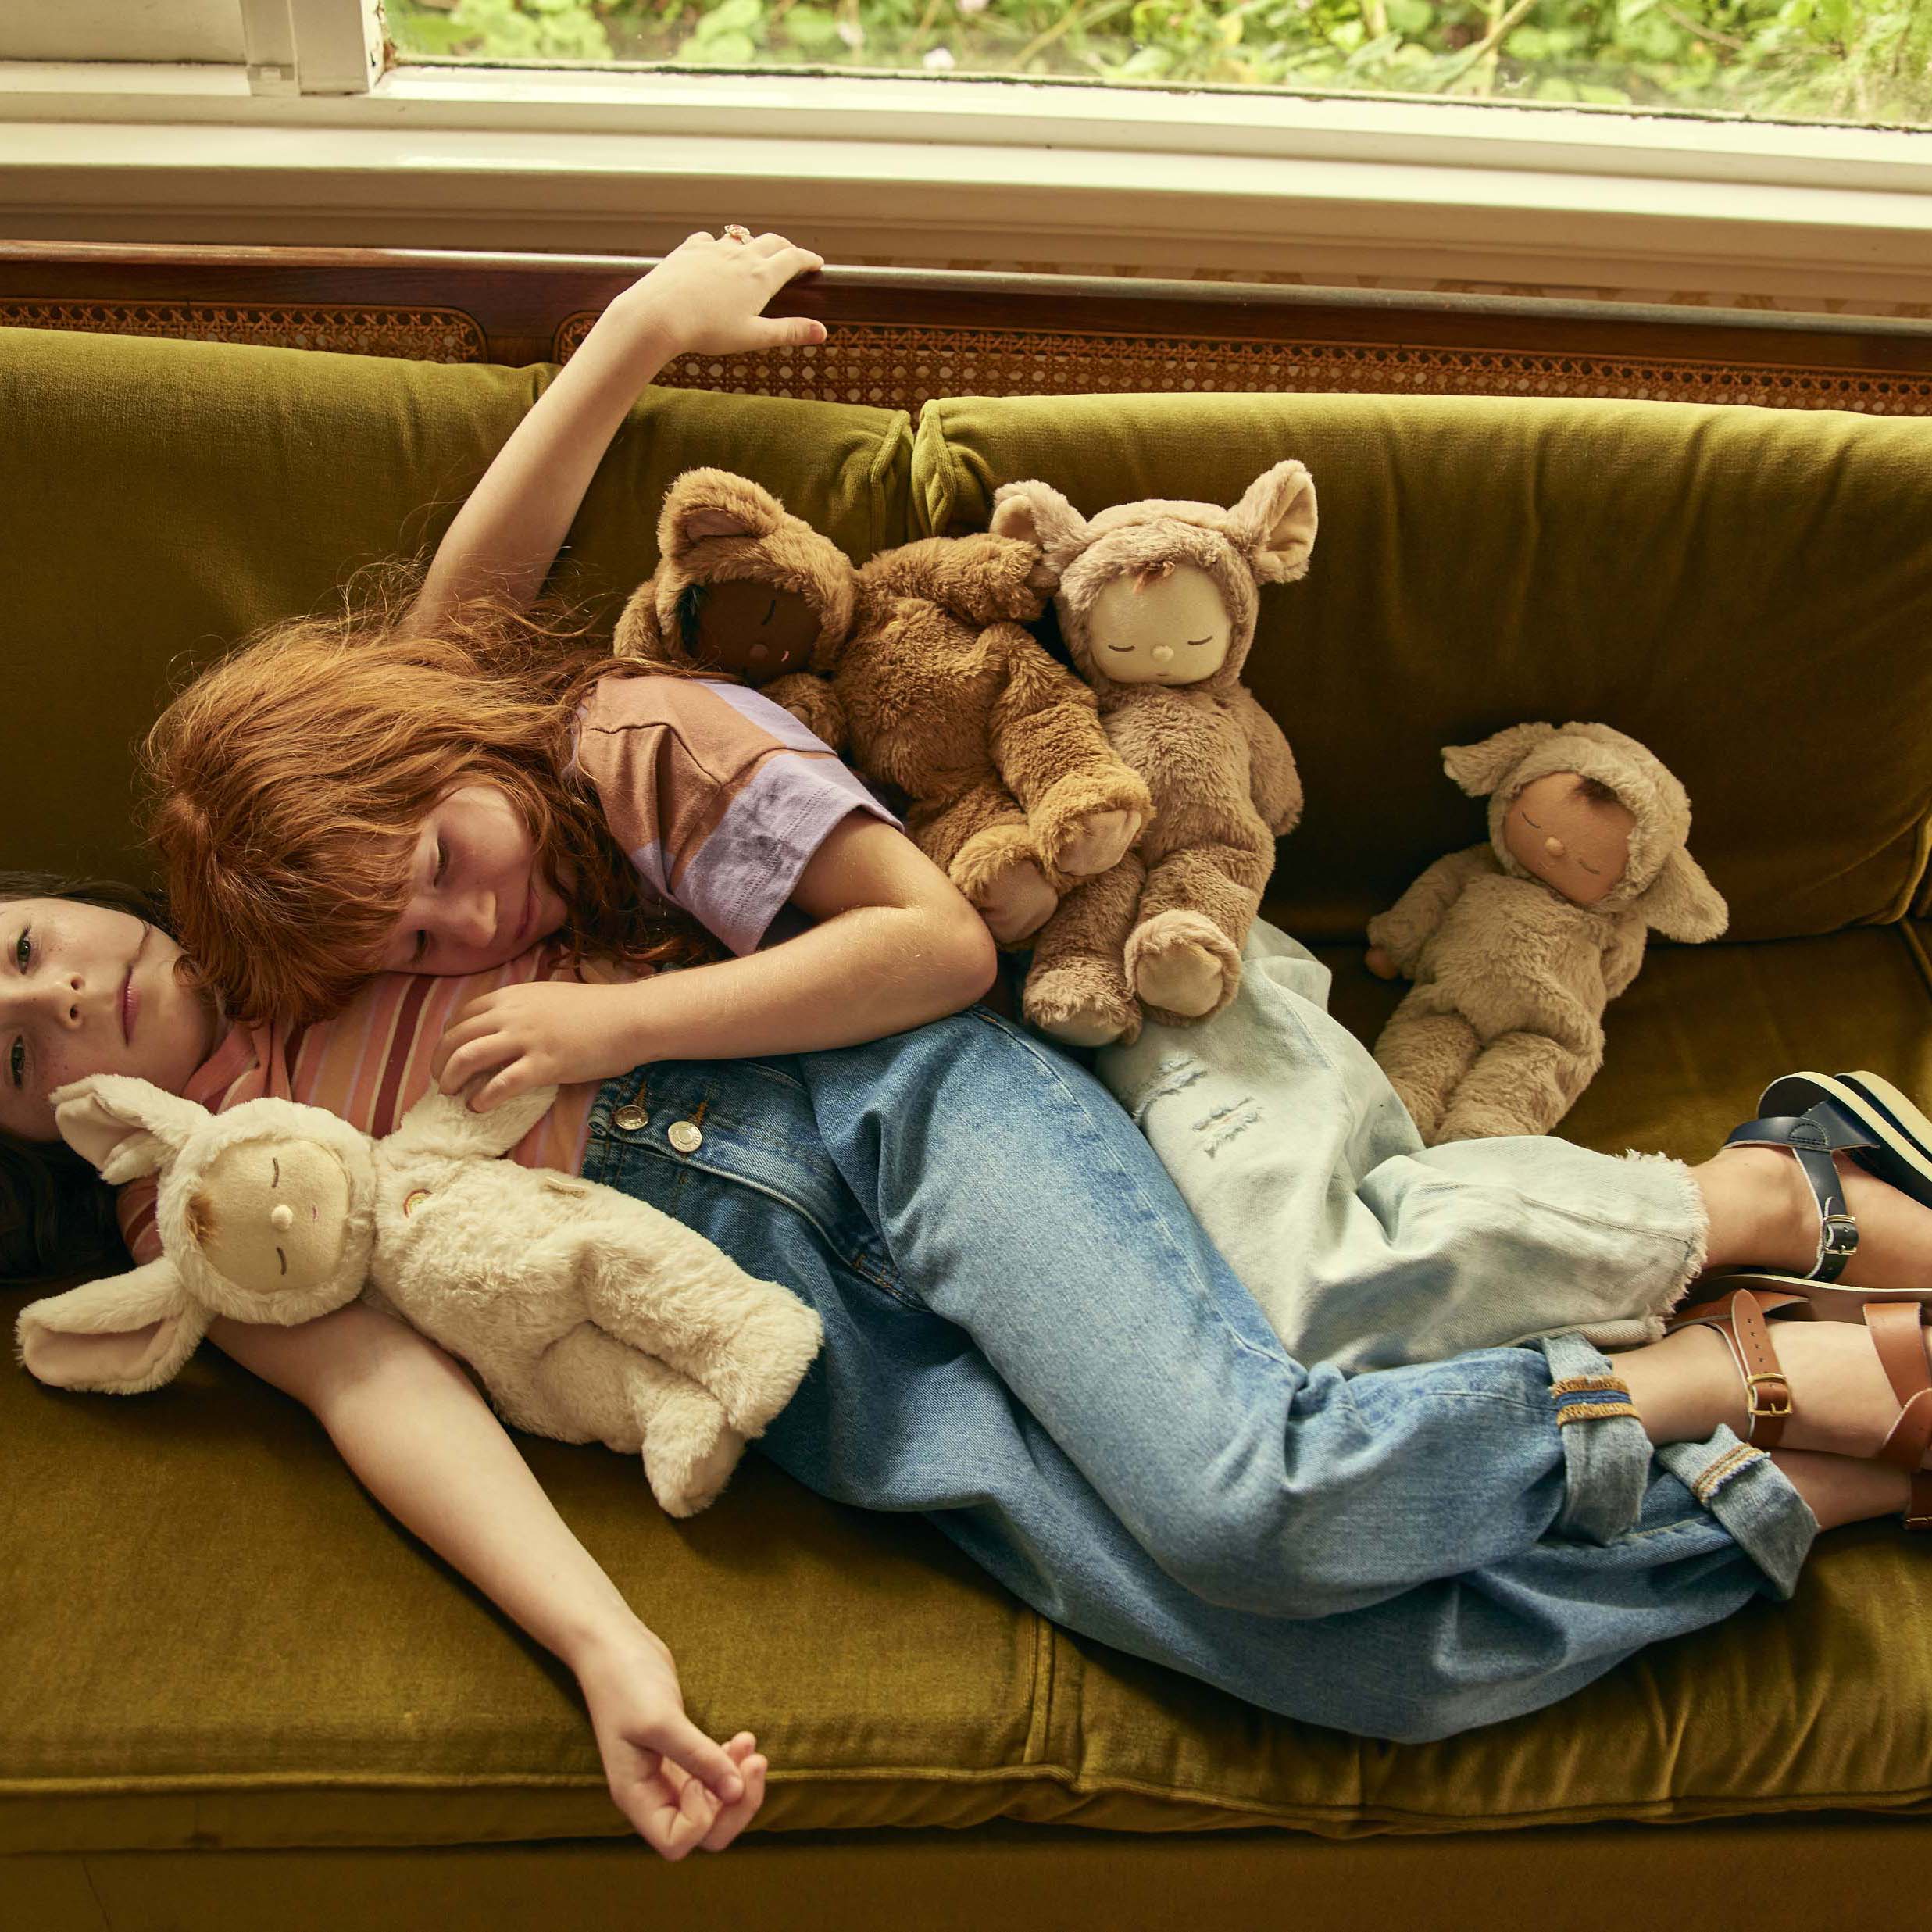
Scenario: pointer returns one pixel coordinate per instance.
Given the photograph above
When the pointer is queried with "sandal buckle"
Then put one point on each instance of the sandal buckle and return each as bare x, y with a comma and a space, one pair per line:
1772, 1409
1837, 1242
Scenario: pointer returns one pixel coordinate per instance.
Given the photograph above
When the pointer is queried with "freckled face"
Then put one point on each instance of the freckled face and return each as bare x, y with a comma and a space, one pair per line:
1577, 844
85, 990
478, 896
1163, 630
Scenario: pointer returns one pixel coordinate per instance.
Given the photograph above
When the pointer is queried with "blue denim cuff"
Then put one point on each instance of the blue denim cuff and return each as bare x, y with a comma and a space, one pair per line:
1753, 1499
1606, 1454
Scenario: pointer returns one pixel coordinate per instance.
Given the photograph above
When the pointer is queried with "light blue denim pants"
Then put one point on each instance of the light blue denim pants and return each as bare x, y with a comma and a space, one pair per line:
1364, 1248
1029, 1339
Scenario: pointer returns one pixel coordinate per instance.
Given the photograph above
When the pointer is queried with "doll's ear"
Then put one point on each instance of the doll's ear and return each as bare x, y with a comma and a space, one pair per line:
124, 1127
1681, 903
1273, 524
706, 503
1479, 769
1037, 513
125, 1335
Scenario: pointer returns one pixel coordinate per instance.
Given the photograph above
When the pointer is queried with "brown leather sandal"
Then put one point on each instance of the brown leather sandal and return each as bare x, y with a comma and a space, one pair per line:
1894, 1327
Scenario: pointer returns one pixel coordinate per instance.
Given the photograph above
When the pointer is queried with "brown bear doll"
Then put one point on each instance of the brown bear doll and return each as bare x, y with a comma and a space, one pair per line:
1158, 602
917, 667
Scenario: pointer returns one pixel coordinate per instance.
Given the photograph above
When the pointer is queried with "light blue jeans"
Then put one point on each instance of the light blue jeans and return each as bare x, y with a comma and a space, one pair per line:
1364, 1248
1030, 1340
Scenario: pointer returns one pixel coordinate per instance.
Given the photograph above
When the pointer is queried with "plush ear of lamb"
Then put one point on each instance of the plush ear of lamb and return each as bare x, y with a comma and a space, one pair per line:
1479, 769
1273, 524
442, 1124
124, 1127
123, 1336
1037, 513
1682, 904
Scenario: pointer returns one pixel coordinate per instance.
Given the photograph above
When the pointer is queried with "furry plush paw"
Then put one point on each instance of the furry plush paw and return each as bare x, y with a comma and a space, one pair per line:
690, 1451
1075, 1003
1016, 902
1184, 978
1098, 843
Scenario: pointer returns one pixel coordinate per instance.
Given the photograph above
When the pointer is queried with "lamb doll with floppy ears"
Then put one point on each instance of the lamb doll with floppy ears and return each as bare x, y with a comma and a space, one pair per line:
1158, 602
1516, 945
589, 1316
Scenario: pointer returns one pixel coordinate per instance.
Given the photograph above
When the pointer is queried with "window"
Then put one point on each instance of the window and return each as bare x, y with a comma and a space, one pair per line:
1867, 62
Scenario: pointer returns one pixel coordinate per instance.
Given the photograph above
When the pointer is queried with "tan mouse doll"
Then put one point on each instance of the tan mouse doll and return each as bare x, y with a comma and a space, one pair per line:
589, 1315
1158, 602
915, 666
1516, 946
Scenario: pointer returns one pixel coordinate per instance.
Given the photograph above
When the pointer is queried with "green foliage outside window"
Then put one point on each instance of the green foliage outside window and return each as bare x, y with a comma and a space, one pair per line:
1869, 61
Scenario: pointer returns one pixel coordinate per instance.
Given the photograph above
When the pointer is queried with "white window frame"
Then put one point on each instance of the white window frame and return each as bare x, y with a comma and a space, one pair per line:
310, 142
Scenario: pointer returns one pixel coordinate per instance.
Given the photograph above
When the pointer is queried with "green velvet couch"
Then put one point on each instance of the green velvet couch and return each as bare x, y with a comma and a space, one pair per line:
232, 1694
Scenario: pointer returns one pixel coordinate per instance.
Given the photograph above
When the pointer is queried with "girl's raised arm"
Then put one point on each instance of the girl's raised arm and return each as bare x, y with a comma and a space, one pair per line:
708, 295
413, 1427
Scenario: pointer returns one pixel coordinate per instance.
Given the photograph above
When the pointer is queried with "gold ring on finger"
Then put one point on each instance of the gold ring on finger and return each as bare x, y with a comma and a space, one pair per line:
736, 231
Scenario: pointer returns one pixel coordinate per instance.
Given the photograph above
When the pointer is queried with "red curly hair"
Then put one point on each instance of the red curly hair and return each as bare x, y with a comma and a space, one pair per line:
289, 781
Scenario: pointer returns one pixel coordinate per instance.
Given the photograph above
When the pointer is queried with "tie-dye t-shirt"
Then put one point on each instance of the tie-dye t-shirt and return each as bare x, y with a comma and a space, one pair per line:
720, 797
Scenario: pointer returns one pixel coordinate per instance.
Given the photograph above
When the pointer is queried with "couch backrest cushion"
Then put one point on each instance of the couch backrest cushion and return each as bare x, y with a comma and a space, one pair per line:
1748, 591
161, 499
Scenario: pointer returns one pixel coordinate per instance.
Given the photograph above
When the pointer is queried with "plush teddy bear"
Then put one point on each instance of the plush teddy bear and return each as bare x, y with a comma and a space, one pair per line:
1158, 602
1517, 945
589, 1315
917, 667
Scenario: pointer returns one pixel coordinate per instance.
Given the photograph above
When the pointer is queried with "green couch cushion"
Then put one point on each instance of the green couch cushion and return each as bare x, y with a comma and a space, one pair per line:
1748, 591
161, 499
212, 1636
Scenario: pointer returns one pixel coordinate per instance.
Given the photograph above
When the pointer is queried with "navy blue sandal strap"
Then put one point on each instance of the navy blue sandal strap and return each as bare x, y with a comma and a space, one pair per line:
1815, 1136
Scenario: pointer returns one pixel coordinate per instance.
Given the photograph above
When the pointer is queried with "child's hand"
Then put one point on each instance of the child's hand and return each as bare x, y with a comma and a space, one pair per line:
546, 1035
666, 1776
708, 294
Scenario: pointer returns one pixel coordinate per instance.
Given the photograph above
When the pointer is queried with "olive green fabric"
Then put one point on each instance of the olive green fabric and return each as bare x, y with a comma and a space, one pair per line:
1797, 1875
161, 499
1747, 591
212, 1636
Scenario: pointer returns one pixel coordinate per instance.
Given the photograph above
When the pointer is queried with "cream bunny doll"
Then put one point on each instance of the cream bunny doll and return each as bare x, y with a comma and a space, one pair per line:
589, 1315
1158, 602
1516, 945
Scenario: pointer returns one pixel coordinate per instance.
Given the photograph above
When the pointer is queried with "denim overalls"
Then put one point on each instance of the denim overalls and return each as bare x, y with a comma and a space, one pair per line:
1029, 1339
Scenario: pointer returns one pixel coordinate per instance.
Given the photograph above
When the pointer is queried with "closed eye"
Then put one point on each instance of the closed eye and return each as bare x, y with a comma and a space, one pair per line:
275, 1171
1591, 870
1528, 820
770, 610
283, 1259
1120, 647
1196, 640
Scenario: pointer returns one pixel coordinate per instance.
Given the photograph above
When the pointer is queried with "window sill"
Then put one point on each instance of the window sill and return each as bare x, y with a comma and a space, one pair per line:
959, 173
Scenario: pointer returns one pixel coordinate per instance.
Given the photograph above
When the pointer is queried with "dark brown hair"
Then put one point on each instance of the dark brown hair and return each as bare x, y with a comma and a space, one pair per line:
57, 1213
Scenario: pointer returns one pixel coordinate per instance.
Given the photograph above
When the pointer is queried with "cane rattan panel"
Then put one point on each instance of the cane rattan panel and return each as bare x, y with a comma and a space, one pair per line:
898, 367
424, 335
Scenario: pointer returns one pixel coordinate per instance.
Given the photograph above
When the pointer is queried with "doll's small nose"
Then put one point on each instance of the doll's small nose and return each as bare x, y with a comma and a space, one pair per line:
1163, 653
282, 1217
757, 652
1554, 847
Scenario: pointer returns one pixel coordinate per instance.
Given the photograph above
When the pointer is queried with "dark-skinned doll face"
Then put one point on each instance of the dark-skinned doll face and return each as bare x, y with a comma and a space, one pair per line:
754, 631
1570, 832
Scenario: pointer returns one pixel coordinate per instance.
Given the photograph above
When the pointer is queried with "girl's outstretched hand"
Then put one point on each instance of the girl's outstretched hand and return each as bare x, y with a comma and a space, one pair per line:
679, 1789
708, 294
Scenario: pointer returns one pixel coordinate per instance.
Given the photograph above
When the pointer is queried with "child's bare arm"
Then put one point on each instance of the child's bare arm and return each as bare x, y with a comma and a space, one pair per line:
413, 1427
707, 296
896, 945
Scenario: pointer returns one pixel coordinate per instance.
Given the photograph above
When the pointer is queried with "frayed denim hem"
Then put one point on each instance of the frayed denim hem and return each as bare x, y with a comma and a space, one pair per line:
1606, 1454
1752, 1497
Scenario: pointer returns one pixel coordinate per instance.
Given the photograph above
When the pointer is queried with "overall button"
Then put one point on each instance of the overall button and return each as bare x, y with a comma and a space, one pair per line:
632, 1120
685, 1136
